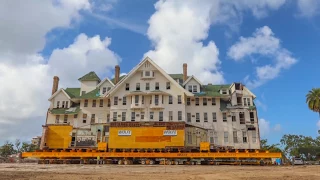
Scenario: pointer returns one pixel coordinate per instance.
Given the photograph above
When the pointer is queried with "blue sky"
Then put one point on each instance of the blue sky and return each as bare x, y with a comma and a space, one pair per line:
283, 36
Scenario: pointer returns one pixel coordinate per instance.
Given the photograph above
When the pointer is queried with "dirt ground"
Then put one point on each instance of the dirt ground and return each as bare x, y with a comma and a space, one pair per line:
139, 172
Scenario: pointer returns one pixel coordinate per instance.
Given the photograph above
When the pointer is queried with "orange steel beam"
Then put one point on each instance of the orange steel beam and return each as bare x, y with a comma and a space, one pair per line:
149, 155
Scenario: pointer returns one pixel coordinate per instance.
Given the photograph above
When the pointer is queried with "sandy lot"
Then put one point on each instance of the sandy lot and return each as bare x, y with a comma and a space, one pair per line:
138, 172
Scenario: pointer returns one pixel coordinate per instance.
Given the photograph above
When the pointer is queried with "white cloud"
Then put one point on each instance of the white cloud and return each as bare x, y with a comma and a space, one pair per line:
261, 104
308, 8
178, 28
318, 124
263, 42
265, 128
26, 76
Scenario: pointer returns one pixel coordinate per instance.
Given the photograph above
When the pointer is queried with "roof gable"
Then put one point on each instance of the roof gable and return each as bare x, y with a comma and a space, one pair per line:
56, 93
94, 94
91, 76
73, 92
147, 59
106, 79
192, 77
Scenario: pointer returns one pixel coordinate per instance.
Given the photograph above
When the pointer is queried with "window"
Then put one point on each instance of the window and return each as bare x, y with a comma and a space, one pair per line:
197, 117
214, 117
224, 91
57, 119
127, 86
84, 118
109, 103
86, 103
195, 88
67, 104
235, 138
75, 116
151, 115
242, 118
123, 116
251, 117
254, 136
170, 115
156, 100
224, 117
157, 86
188, 117
205, 117
162, 99
104, 90
93, 118
170, 99
188, 101
249, 102
108, 88
190, 88
179, 115
204, 101
142, 115
115, 100
94, 103
142, 100
179, 99
147, 73
189, 138
114, 118
197, 101
83, 92
133, 116
213, 101
63, 104
124, 100
168, 85
58, 104
138, 86
233, 118
136, 99
161, 116
101, 103
211, 140
244, 137
245, 101
226, 139
108, 117
147, 86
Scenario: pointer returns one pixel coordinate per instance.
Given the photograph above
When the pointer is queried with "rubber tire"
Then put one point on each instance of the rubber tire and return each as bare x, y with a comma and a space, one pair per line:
151, 162
120, 162
143, 162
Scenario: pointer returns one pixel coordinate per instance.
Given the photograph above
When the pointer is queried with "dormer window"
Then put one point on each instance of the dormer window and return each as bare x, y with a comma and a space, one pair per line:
195, 88
157, 86
138, 86
147, 73
168, 85
224, 91
58, 104
108, 88
190, 88
127, 86
104, 90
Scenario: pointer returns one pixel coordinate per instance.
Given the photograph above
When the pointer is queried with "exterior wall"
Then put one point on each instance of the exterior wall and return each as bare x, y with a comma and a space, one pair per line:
100, 113
88, 86
192, 82
136, 78
194, 136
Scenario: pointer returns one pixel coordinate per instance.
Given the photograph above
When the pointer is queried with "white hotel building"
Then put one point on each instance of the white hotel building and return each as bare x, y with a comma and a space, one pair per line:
148, 93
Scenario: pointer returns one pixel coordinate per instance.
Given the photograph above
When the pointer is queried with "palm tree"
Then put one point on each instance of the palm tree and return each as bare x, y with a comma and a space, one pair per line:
313, 100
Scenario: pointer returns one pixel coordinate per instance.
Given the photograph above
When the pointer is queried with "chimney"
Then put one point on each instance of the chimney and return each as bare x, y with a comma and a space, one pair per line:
55, 84
185, 71
117, 74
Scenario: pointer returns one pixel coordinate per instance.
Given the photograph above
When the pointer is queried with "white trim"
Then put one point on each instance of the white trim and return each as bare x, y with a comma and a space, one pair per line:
244, 87
157, 67
190, 79
98, 86
61, 89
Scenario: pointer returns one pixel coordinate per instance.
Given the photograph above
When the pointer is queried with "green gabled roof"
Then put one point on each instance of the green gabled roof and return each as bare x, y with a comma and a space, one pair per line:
212, 90
177, 76
91, 76
94, 94
121, 77
72, 110
73, 92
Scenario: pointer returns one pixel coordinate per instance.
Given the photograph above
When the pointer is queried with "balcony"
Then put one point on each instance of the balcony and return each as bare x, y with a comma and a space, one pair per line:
137, 106
156, 106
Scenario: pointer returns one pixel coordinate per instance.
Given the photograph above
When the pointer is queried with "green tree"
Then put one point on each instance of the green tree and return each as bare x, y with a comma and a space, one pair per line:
26, 147
7, 149
313, 100
270, 148
17, 145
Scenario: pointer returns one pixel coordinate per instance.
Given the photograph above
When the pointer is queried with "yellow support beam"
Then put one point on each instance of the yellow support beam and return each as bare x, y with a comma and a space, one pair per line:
49, 155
